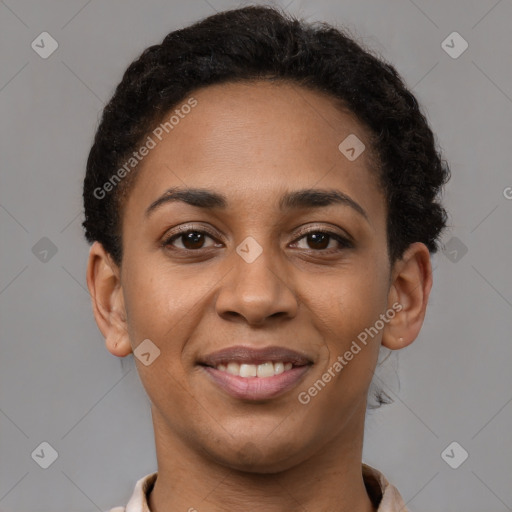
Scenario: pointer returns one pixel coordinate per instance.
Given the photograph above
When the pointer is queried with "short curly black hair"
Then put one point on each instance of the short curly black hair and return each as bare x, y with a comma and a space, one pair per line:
265, 43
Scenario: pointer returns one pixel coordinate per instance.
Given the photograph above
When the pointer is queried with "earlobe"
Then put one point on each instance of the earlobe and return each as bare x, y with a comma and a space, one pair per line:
103, 281
409, 292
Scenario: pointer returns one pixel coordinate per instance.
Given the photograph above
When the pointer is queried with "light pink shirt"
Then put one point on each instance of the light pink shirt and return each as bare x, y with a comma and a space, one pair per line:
384, 495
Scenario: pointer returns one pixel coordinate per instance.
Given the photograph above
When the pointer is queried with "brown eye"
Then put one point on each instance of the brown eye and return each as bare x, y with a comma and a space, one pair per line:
193, 240
190, 240
320, 240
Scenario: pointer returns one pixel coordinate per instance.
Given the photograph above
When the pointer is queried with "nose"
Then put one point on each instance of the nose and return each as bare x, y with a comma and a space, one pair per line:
256, 291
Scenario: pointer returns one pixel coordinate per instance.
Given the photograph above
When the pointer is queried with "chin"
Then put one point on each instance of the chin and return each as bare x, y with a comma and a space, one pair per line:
253, 457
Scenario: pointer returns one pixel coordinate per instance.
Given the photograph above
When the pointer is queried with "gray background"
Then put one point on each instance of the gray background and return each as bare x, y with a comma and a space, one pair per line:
59, 384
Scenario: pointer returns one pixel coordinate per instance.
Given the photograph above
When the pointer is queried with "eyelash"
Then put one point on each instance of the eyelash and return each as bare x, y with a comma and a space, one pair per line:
345, 243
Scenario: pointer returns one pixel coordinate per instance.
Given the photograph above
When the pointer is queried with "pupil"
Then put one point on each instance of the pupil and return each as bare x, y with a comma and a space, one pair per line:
194, 238
320, 237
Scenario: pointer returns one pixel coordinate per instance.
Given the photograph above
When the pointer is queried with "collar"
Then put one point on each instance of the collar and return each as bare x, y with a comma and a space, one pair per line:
384, 495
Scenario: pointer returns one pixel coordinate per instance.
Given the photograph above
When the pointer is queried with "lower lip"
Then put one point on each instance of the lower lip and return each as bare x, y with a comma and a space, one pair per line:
257, 388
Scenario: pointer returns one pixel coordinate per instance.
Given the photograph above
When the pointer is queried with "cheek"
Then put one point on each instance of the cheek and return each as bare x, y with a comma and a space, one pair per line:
357, 294
160, 307
345, 312
165, 305
347, 308
155, 301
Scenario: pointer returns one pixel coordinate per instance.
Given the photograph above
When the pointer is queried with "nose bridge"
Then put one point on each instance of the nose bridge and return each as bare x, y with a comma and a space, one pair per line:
254, 288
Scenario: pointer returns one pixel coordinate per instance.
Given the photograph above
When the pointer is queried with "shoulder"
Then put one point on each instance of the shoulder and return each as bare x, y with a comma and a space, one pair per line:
138, 500
383, 494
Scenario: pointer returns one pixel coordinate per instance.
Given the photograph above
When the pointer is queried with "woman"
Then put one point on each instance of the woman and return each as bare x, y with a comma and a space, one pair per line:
262, 201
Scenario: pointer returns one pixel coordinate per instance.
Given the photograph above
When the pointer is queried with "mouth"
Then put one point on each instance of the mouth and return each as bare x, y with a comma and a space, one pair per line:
256, 374
262, 371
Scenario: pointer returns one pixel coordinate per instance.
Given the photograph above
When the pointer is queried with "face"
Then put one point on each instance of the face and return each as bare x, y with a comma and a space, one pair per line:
253, 263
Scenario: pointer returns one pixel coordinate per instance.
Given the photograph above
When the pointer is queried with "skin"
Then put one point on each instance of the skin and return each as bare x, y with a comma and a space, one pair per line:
253, 142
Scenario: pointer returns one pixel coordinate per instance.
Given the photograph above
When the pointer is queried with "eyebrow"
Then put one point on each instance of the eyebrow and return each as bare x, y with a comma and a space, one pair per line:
298, 199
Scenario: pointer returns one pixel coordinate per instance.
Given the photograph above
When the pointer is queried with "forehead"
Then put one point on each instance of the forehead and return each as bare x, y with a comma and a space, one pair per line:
254, 139
260, 118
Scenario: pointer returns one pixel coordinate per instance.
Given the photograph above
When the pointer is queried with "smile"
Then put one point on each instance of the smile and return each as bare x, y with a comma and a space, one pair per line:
265, 370
250, 373
284, 377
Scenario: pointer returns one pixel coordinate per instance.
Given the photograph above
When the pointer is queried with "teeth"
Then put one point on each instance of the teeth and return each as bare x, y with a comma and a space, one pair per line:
278, 368
248, 370
268, 369
264, 370
233, 368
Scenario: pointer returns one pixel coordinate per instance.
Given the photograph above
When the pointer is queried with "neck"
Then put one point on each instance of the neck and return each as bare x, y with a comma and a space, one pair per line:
190, 481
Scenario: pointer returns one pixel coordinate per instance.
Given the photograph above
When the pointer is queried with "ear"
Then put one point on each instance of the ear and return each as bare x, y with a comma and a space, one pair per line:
104, 283
411, 283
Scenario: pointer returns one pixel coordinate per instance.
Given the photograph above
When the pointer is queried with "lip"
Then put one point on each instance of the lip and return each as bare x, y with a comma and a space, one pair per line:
249, 355
256, 388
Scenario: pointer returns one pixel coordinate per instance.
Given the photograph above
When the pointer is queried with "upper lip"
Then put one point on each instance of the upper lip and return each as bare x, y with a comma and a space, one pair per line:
249, 355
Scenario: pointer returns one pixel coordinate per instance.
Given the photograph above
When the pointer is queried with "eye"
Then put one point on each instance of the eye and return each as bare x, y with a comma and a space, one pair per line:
320, 240
191, 239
